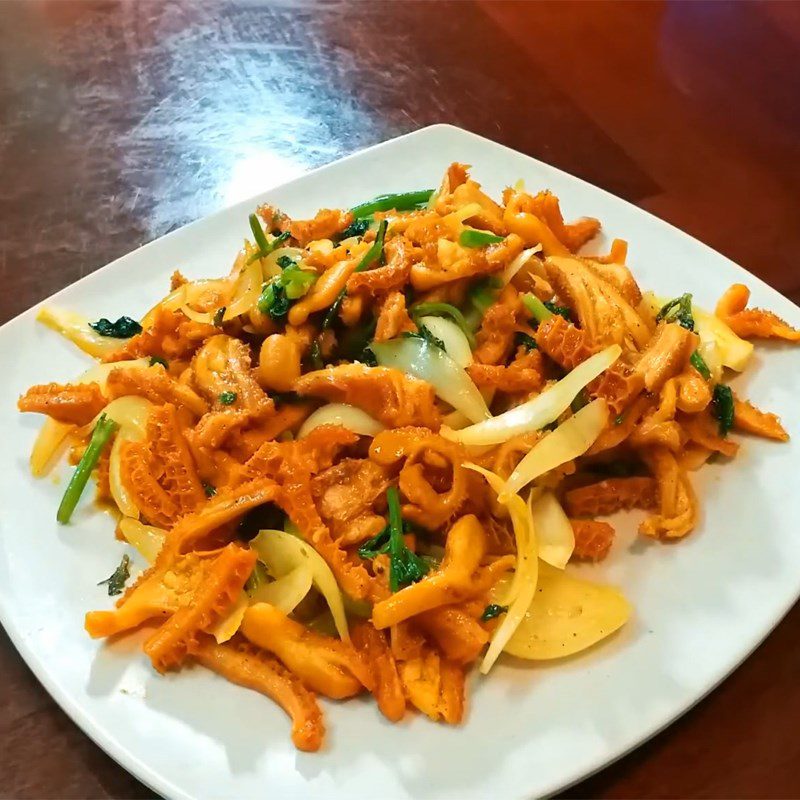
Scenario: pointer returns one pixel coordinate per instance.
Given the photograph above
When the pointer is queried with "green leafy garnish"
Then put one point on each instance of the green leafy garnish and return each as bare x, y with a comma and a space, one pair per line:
292, 284
425, 333
678, 310
480, 296
699, 363
209, 490
443, 310
492, 610
258, 578
472, 238
579, 401
404, 201
273, 300
285, 261
158, 360
218, 315
116, 581
374, 253
405, 567
722, 407
100, 437
357, 227
619, 419
123, 328
562, 311
522, 339
227, 398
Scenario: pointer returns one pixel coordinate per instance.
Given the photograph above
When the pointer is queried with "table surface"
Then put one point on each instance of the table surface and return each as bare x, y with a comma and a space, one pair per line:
120, 122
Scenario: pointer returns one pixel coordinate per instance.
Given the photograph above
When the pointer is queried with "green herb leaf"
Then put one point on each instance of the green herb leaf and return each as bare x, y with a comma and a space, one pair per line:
376, 249
722, 407
562, 311
376, 545
522, 339
286, 261
116, 581
296, 281
405, 567
443, 310
579, 401
356, 228
209, 490
273, 300
678, 310
123, 328
425, 333
257, 578
227, 398
699, 363
492, 610
100, 437
619, 419
158, 360
472, 238
404, 201
218, 315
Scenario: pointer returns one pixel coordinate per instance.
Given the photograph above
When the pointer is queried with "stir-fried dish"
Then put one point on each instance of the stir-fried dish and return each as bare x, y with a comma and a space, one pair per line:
365, 459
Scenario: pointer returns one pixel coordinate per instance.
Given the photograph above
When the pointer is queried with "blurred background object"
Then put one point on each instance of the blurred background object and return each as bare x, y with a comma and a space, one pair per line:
122, 121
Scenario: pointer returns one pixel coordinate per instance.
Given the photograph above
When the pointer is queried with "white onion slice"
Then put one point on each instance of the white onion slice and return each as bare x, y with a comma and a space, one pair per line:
526, 574
541, 410
454, 339
147, 539
429, 363
569, 440
350, 417
518, 263
281, 553
286, 592
553, 528
75, 327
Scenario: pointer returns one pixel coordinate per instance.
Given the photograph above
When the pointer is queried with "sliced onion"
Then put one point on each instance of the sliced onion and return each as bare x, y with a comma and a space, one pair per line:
147, 539
731, 350
246, 292
281, 553
131, 414
569, 440
75, 327
350, 417
172, 302
734, 352
540, 411
709, 352
429, 363
553, 528
287, 591
53, 434
454, 339
519, 262
49, 440
526, 573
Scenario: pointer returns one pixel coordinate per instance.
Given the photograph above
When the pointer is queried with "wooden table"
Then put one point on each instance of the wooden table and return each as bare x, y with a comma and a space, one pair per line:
121, 122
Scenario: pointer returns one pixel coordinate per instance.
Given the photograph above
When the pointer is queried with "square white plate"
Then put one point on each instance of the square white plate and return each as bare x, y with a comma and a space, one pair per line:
701, 605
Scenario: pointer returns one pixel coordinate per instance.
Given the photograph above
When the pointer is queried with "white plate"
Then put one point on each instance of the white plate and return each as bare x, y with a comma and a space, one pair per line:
701, 605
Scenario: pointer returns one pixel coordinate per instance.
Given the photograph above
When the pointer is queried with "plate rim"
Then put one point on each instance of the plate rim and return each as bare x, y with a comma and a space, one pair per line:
157, 781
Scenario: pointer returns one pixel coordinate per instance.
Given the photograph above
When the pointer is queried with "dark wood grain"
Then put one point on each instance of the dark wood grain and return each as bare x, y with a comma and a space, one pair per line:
122, 121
